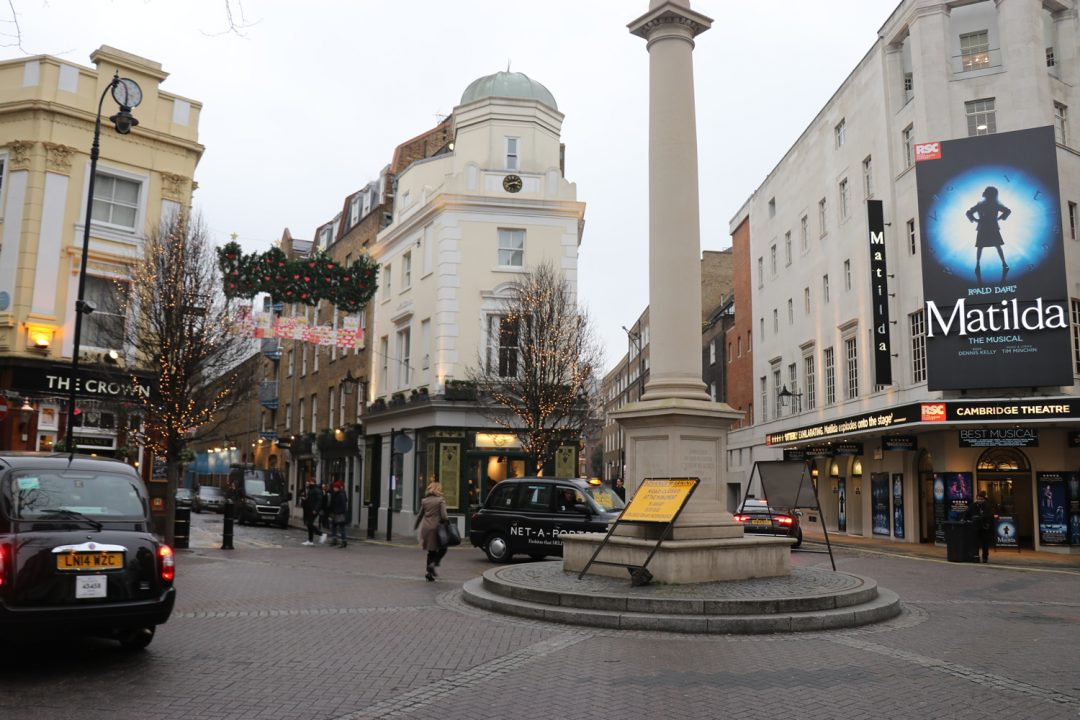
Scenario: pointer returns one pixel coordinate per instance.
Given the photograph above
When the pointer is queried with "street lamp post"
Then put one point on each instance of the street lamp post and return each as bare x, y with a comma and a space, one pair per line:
127, 94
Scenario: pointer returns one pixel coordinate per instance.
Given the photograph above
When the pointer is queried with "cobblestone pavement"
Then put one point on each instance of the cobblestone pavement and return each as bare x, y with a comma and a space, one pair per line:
277, 630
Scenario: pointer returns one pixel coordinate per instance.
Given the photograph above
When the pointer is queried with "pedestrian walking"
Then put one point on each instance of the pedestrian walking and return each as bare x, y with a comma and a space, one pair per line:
311, 501
620, 489
979, 514
339, 508
432, 513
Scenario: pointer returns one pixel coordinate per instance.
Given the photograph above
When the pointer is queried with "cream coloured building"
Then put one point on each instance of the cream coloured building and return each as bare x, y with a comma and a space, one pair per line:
466, 224
47, 112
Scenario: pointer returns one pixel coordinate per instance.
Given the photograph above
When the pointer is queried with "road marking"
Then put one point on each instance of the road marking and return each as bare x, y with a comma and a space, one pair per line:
986, 679
481, 674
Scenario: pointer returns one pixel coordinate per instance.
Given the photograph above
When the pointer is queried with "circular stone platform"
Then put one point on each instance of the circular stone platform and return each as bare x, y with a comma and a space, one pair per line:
806, 600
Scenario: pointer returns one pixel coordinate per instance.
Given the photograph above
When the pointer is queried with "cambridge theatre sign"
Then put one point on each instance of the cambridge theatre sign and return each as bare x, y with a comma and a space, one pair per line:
928, 413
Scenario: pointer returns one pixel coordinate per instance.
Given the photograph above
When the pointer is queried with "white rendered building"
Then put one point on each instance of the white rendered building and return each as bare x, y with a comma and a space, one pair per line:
939, 71
466, 225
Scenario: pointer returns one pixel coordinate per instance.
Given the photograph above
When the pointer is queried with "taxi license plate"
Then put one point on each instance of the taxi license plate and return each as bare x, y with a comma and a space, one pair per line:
90, 561
761, 522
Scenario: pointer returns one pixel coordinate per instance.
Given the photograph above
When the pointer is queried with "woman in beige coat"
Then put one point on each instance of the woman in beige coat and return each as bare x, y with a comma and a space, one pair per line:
432, 513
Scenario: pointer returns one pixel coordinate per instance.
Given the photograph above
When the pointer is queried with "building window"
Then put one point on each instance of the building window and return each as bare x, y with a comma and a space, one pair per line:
116, 201
404, 347
331, 406
314, 413
847, 275
793, 387
764, 400
511, 153
511, 248
809, 382
772, 208
288, 418
1050, 61
851, 359
712, 352
825, 289
822, 210
354, 210
980, 117
303, 359
772, 259
790, 312
806, 300
776, 391
761, 328
787, 248
387, 275
868, 177
738, 345
761, 272
974, 50
1072, 220
840, 133
913, 241
1061, 116
1076, 333
917, 321
830, 377
384, 356
290, 363
406, 271
303, 418
908, 137
775, 321
104, 328
843, 199
804, 232
502, 342
909, 86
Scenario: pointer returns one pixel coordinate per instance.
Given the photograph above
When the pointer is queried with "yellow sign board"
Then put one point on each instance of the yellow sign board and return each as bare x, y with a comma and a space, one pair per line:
658, 500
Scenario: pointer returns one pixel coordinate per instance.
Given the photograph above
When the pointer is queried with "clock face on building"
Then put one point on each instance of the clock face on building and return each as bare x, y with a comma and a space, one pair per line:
127, 92
512, 183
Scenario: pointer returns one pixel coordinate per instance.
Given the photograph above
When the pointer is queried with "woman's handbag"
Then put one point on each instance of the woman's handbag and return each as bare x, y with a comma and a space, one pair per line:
448, 534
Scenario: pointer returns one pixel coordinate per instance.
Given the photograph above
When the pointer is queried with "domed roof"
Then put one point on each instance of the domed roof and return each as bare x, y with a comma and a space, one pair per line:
508, 85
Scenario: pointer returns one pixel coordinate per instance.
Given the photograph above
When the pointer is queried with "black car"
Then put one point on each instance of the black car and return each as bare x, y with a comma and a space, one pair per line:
529, 515
260, 496
760, 519
183, 498
77, 554
208, 497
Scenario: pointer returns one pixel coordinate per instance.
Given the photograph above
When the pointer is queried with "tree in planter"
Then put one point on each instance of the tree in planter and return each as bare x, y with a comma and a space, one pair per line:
537, 376
177, 322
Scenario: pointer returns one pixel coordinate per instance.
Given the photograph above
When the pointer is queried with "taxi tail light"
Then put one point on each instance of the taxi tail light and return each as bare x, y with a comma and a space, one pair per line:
3, 563
166, 563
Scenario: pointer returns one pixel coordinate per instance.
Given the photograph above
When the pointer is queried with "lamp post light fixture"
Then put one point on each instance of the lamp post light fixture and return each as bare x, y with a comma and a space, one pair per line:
127, 94
789, 398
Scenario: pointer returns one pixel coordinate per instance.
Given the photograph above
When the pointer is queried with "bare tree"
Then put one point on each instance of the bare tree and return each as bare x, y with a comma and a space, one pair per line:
178, 324
536, 376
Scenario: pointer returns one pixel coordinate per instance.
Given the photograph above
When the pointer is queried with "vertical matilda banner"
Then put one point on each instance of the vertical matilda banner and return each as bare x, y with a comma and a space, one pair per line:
993, 262
879, 292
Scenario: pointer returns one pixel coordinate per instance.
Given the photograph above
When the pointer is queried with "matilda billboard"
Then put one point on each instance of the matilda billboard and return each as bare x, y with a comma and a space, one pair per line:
993, 262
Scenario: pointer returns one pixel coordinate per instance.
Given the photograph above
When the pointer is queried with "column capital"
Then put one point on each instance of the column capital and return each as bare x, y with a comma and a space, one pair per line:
667, 13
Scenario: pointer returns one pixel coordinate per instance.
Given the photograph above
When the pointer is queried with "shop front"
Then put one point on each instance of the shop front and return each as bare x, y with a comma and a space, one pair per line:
902, 472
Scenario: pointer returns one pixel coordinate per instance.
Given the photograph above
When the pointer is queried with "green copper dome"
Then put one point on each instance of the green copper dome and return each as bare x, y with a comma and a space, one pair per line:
508, 85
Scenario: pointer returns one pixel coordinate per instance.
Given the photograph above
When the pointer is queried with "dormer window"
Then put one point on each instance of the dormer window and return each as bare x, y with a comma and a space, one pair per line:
326, 236
511, 153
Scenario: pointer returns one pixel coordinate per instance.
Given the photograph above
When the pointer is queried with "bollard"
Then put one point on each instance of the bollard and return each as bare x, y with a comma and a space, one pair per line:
226, 534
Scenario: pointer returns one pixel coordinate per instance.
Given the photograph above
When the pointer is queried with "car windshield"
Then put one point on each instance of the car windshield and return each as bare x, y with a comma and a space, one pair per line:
183, 493
261, 484
69, 494
605, 498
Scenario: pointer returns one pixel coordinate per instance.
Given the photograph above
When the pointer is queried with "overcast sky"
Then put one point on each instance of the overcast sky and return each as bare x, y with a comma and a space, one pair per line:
308, 103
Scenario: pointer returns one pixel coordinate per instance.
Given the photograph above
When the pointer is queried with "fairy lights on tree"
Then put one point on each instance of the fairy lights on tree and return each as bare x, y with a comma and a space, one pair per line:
538, 375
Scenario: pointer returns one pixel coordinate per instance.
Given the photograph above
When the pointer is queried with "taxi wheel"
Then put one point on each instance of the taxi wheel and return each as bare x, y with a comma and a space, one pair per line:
136, 639
498, 548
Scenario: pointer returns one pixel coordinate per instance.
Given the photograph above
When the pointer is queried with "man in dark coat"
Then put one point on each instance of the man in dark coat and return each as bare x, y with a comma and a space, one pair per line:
339, 509
979, 514
312, 502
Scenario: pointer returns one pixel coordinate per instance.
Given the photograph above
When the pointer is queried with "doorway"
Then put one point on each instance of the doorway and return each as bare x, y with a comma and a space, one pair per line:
1004, 474
927, 525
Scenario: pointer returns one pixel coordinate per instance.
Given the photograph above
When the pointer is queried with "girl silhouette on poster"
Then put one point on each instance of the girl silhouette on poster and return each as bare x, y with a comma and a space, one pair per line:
987, 213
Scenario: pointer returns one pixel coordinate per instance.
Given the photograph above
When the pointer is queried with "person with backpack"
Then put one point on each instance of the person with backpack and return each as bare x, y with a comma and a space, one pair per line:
312, 502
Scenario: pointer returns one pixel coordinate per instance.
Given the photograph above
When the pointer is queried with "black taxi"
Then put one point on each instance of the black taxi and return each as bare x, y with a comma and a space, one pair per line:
77, 552
530, 515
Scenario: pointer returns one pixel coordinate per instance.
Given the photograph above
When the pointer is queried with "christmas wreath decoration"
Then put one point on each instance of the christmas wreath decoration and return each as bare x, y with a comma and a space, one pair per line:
306, 280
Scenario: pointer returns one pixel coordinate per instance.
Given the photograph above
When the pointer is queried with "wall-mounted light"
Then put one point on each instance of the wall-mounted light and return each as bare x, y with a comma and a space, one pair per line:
834, 470
856, 469
39, 337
